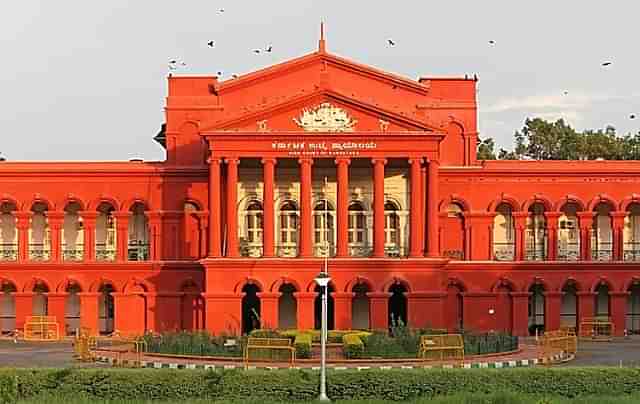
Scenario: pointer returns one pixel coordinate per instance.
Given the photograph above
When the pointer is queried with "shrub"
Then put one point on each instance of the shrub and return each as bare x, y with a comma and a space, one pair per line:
302, 343
352, 346
199, 343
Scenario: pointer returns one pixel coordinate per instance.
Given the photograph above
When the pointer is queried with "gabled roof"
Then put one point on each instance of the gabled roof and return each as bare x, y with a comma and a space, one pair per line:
304, 99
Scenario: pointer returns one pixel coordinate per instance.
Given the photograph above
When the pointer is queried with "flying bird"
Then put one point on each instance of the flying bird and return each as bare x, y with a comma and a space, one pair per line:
566, 93
492, 42
391, 42
210, 43
219, 73
173, 62
606, 63
234, 76
256, 51
221, 10
269, 48
632, 116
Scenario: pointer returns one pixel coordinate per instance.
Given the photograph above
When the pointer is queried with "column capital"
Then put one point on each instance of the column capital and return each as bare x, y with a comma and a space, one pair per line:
89, 294
616, 293
56, 294
55, 218
378, 295
378, 160
22, 214
552, 215
232, 160
586, 293
553, 293
305, 160
269, 160
585, 215
214, 160
413, 160
268, 295
520, 294
305, 295
121, 214
342, 295
343, 160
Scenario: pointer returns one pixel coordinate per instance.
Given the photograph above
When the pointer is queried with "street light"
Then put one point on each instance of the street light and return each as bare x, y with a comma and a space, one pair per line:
323, 280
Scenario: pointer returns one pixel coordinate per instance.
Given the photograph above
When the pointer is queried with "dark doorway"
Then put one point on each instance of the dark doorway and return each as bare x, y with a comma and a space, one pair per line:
317, 306
106, 309
397, 305
250, 308
287, 307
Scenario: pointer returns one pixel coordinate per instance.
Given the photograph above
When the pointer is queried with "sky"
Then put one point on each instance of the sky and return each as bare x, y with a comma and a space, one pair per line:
86, 80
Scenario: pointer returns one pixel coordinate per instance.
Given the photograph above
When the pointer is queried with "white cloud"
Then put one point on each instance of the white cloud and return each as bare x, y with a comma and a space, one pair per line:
554, 102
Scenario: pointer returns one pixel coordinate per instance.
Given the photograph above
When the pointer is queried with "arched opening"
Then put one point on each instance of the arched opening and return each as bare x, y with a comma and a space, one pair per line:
39, 237
288, 234
569, 233
8, 307
360, 307
191, 227
536, 234
357, 237
631, 233
504, 240
40, 300
72, 233
106, 309
601, 233
138, 233
633, 308
455, 313
504, 307
569, 306
392, 237
453, 227
287, 307
8, 232
323, 229
317, 306
536, 309
602, 307
250, 308
105, 233
192, 305
397, 305
251, 243
72, 309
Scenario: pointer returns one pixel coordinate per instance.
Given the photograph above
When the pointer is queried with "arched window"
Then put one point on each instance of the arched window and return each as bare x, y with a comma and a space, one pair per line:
357, 230
323, 229
72, 233
253, 224
8, 233
569, 233
632, 233
105, 233
39, 237
138, 233
288, 243
602, 234
536, 234
392, 238
503, 233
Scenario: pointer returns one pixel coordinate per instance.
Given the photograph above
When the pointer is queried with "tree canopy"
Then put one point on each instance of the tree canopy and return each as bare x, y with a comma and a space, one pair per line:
543, 140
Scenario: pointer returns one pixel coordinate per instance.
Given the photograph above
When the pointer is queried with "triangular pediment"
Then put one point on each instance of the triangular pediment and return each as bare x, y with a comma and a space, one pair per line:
322, 110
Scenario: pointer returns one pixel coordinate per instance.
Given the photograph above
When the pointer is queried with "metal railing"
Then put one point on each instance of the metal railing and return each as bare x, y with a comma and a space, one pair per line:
138, 251
631, 251
454, 254
602, 252
360, 250
287, 250
394, 251
8, 252
324, 251
105, 252
39, 252
504, 251
535, 253
253, 250
75, 253
568, 252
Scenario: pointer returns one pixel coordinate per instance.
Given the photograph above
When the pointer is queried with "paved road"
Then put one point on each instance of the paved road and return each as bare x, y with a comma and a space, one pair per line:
620, 351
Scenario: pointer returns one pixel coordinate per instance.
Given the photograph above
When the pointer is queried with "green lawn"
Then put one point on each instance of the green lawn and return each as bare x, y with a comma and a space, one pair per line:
500, 398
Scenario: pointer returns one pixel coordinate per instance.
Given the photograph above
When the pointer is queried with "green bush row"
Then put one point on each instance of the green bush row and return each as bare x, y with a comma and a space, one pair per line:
302, 385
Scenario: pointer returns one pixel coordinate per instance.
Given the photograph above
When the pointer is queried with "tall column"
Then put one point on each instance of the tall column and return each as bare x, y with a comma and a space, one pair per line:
585, 221
232, 207
203, 225
268, 197
586, 306
343, 207
552, 229
56, 303
89, 311
378, 207
618, 235
122, 235
305, 314
306, 222
426, 309
432, 209
89, 234
379, 310
155, 235
223, 312
415, 219
55, 221
520, 313
423, 210
214, 207
520, 219
24, 307
618, 311
269, 310
23, 221
342, 309
552, 305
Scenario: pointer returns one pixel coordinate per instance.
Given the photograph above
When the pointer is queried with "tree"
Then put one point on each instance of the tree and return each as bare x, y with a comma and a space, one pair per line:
486, 149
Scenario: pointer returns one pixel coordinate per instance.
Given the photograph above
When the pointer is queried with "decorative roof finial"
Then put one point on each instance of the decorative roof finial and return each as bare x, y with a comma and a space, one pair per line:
321, 43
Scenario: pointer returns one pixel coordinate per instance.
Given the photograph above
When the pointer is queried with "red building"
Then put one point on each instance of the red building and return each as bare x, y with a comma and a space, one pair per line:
267, 173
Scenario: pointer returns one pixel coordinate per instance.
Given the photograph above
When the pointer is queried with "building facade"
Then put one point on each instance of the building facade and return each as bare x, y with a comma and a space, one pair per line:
320, 159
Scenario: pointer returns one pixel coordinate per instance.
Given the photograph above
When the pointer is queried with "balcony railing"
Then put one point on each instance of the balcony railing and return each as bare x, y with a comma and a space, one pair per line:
39, 252
360, 250
253, 250
72, 253
394, 251
8, 252
105, 252
504, 251
535, 253
454, 254
631, 251
287, 250
569, 252
138, 251
602, 252
324, 251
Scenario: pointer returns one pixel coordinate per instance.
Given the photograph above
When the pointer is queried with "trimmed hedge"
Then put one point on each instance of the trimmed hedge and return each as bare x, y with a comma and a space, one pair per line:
302, 385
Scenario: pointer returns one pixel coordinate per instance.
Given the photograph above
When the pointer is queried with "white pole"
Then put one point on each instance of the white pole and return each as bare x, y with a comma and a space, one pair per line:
324, 325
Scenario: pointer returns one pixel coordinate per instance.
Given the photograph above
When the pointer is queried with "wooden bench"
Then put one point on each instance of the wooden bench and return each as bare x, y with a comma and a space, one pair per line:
442, 347
598, 328
269, 344
41, 328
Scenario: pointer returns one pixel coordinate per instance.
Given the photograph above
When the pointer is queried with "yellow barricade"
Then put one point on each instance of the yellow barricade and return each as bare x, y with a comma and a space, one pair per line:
41, 328
269, 344
598, 328
442, 347
553, 342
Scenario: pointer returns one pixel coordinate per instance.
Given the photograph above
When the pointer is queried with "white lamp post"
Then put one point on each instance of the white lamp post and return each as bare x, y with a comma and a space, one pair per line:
323, 280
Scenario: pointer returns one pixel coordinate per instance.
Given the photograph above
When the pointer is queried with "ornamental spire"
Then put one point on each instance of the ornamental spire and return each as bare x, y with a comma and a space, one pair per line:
321, 43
